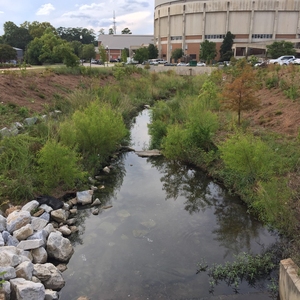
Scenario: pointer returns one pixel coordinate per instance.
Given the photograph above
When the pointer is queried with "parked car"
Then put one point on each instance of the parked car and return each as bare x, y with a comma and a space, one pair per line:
94, 61
280, 60
162, 62
181, 64
167, 64
201, 64
261, 64
113, 60
295, 61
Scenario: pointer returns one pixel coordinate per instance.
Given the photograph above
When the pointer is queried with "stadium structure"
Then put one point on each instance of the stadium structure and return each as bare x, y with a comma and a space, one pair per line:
186, 24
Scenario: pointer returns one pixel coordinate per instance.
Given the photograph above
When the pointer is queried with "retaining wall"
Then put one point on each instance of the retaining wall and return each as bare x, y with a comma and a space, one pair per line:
289, 281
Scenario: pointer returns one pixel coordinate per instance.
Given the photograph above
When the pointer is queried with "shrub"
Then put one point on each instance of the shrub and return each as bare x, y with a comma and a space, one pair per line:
59, 165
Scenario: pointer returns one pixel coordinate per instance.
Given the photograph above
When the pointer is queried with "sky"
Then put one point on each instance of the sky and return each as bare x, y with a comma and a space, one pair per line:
137, 15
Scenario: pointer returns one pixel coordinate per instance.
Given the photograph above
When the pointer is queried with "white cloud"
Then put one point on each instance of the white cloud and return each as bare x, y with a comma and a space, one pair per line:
45, 9
1, 12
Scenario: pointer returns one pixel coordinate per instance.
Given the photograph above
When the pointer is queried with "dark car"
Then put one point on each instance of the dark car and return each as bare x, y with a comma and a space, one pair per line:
170, 64
114, 60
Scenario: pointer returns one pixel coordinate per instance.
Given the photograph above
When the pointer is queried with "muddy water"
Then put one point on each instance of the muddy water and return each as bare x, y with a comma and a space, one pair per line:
164, 219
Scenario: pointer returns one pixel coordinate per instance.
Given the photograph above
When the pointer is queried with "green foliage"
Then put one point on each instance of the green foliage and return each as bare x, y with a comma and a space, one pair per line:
248, 156
152, 51
177, 53
245, 267
7, 53
88, 52
17, 161
280, 48
226, 46
292, 92
272, 82
1, 276
208, 51
96, 130
124, 55
272, 205
209, 95
141, 54
59, 166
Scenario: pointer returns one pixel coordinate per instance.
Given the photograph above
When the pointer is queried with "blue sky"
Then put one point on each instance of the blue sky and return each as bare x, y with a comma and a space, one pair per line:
137, 15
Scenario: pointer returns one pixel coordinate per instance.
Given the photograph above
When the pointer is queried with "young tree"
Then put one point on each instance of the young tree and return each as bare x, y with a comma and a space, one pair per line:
153, 51
103, 54
208, 51
280, 48
124, 54
141, 54
126, 31
239, 95
7, 53
225, 50
110, 31
88, 52
177, 53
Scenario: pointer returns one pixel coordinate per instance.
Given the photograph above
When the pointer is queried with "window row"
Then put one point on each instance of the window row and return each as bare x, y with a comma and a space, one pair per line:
214, 36
262, 36
175, 38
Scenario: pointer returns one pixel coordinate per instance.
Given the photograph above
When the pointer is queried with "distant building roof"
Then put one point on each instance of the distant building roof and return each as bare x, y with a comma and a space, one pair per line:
121, 41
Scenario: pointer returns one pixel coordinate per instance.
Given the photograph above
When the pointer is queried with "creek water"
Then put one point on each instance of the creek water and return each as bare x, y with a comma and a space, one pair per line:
164, 219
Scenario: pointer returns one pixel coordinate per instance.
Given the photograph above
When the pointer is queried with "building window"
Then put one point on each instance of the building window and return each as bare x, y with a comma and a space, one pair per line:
262, 36
214, 36
176, 38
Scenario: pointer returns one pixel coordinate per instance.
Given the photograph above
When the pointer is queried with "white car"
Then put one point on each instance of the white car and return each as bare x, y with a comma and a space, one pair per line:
182, 64
201, 64
281, 60
295, 61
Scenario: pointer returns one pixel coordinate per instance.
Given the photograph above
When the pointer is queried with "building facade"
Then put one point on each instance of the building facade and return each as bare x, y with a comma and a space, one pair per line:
116, 43
255, 23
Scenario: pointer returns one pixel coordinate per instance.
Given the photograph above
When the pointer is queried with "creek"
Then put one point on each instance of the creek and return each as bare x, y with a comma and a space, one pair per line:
165, 218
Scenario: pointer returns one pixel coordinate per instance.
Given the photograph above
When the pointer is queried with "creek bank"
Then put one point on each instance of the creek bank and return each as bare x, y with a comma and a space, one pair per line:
30, 238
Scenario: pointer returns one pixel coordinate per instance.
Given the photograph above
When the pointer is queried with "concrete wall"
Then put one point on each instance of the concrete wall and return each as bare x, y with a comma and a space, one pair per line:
289, 281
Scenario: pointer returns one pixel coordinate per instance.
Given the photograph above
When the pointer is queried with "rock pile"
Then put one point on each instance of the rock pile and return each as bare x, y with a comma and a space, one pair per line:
29, 236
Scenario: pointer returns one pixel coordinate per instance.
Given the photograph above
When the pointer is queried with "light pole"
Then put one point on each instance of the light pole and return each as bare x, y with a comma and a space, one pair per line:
81, 49
106, 48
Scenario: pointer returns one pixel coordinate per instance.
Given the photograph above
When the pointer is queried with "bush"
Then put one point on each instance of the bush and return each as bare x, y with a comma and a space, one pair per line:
96, 130
59, 166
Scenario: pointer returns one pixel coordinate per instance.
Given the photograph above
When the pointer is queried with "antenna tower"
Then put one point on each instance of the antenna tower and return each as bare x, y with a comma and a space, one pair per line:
115, 29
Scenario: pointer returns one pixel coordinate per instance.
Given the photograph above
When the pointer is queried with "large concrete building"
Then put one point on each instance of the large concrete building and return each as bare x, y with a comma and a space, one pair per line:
255, 23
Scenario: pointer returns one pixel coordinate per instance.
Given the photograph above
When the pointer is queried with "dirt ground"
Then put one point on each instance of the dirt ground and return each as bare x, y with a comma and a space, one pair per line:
37, 93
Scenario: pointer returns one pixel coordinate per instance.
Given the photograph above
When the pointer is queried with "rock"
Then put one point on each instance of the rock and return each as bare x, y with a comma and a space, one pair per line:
95, 211
139, 233
59, 215
49, 228
83, 298
24, 270
84, 197
39, 212
149, 224
30, 121
9, 258
6, 287
148, 153
73, 201
62, 267
23, 233
106, 169
39, 255
71, 221
30, 244
96, 202
123, 213
12, 208
41, 272
1, 240
74, 229
65, 230
2, 223
51, 295
50, 201
9, 272
45, 216
35, 279
39, 235
11, 240
46, 208
24, 290
56, 281
38, 223
17, 219
59, 247
73, 211
30, 206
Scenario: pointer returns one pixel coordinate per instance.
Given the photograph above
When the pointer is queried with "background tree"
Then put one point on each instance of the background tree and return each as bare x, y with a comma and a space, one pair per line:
208, 51
177, 53
65, 53
37, 29
33, 52
239, 95
141, 54
280, 48
126, 31
88, 52
226, 47
101, 31
77, 47
83, 35
7, 53
15, 36
103, 54
152, 51
124, 54
110, 31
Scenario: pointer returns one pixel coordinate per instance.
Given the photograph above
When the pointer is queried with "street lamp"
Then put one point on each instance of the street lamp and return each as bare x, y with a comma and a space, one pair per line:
106, 48
81, 49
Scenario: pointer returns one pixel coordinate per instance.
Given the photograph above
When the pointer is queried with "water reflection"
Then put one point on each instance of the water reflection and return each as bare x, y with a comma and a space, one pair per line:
165, 218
